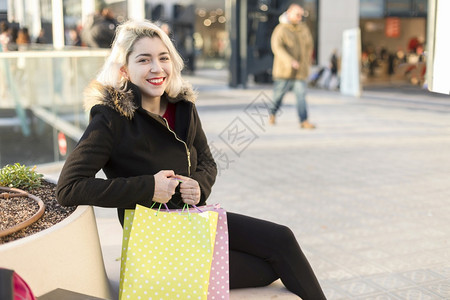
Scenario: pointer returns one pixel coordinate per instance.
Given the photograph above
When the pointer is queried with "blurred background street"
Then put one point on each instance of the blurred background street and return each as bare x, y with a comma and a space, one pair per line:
366, 192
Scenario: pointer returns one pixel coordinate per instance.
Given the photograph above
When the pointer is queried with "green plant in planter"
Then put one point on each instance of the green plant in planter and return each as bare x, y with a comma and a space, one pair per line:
19, 176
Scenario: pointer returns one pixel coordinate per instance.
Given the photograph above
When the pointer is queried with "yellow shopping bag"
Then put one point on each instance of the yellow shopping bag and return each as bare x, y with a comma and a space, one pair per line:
166, 255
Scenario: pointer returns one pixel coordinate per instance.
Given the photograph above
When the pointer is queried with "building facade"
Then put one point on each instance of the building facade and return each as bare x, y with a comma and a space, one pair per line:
219, 33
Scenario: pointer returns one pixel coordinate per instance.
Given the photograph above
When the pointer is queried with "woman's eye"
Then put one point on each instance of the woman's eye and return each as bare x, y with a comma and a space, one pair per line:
165, 58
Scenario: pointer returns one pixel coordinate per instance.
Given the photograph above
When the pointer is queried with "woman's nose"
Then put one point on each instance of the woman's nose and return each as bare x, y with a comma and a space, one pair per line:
155, 67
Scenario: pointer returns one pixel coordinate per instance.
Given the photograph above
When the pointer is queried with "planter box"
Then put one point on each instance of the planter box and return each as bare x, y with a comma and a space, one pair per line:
67, 256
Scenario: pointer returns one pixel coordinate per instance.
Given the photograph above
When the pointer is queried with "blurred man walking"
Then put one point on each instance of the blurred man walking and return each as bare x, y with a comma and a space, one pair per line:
292, 46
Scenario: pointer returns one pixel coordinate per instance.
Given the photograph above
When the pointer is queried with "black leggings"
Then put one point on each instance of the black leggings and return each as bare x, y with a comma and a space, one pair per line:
262, 251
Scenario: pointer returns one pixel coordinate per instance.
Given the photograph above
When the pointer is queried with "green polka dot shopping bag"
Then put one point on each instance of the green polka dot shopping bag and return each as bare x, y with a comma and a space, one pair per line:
166, 255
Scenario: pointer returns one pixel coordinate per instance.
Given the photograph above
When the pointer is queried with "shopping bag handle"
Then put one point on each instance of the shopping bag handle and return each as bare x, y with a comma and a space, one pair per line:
159, 208
216, 206
196, 207
185, 207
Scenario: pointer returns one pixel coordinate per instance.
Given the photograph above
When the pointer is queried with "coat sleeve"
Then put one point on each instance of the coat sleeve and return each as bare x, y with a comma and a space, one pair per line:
206, 170
278, 47
77, 184
310, 47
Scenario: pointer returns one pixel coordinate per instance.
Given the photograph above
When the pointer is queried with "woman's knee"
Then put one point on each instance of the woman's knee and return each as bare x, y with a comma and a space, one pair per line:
283, 236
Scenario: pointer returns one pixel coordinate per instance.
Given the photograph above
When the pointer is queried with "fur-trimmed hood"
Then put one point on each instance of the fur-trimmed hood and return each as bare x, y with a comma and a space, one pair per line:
125, 102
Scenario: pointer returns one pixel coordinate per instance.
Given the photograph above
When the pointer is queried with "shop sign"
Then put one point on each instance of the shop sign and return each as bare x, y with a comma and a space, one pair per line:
62, 143
392, 28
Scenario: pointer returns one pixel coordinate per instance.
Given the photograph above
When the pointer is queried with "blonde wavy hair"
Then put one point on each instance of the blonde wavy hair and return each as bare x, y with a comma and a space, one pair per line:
127, 34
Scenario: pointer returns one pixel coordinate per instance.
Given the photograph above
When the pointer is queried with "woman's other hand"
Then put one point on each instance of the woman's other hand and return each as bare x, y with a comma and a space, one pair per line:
189, 189
165, 185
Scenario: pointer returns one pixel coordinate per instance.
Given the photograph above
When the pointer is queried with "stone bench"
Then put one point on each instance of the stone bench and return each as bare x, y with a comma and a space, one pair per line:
110, 233
274, 291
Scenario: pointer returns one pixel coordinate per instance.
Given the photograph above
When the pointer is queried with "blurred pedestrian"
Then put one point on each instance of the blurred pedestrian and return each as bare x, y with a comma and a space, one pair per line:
99, 30
413, 44
333, 74
5, 40
292, 46
23, 42
41, 39
5, 36
74, 38
23, 39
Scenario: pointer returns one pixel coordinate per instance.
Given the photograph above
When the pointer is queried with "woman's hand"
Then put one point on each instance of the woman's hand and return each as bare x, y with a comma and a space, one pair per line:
165, 185
190, 190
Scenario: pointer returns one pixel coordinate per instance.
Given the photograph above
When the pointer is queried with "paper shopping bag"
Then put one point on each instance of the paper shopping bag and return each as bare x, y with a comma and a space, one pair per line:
219, 282
167, 255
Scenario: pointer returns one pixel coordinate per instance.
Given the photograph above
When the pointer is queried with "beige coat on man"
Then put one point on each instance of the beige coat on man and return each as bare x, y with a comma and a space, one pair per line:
291, 42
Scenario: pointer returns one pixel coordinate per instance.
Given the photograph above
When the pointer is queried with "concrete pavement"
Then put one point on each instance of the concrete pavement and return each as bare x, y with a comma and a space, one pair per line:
366, 193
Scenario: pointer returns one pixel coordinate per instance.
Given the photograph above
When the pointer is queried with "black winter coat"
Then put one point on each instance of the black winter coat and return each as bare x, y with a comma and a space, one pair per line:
131, 145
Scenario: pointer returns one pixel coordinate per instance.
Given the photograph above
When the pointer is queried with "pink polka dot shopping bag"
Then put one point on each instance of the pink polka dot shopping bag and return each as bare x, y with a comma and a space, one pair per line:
219, 282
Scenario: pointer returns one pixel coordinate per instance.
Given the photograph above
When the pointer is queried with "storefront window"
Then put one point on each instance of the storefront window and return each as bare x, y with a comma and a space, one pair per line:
371, 8
393, 39
310, 7
398, 7
421, 7
211, 36
393, 8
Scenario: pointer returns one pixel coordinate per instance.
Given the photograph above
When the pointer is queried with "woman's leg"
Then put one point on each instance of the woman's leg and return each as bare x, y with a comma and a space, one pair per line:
249, 271
276, 254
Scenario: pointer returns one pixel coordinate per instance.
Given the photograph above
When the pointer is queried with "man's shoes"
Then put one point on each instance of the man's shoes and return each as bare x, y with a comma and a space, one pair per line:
272, 119
307, 125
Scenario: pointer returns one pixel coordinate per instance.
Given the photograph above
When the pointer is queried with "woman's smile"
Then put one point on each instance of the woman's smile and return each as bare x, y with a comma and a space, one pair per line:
156, 80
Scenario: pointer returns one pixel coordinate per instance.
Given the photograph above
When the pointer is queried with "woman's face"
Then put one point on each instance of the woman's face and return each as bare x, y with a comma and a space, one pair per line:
149, 67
